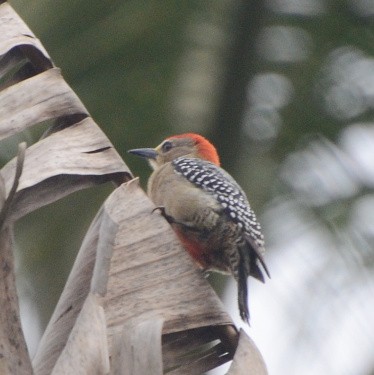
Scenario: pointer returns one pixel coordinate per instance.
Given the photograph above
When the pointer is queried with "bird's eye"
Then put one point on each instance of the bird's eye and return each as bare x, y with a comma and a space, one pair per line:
167, 146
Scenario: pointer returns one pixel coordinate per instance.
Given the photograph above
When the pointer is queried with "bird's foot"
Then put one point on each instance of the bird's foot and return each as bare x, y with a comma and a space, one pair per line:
168, 218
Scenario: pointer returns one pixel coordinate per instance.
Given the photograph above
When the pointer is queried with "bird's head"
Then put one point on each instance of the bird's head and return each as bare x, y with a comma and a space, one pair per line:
190, 145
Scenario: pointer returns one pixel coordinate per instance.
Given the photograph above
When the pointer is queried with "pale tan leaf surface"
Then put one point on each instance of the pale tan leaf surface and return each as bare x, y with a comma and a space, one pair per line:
7, 204
42, 97
71, 159
14, 32
14, 357
86, 351
76, 154
18, 48
248, 359
72, 299
137, 349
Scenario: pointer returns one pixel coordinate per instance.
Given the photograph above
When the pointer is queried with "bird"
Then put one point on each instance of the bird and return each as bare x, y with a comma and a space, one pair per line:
207, 209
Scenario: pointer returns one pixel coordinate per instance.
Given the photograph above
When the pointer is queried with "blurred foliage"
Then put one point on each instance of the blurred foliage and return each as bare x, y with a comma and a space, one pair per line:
285, 90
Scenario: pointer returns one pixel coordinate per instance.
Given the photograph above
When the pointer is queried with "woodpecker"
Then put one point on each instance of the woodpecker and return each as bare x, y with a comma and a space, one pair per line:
207, 209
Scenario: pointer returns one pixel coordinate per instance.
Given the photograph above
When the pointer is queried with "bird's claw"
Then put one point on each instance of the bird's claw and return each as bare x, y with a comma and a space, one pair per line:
160, 208
168, 218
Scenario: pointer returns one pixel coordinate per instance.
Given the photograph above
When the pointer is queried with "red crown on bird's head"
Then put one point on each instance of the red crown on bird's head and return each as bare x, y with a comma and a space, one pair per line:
204, 148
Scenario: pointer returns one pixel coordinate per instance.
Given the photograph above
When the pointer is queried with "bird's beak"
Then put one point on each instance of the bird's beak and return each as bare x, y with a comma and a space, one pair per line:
148, 153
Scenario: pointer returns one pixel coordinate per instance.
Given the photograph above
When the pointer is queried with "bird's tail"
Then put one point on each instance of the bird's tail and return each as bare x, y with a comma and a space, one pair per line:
255, 260
243, 293
251, 264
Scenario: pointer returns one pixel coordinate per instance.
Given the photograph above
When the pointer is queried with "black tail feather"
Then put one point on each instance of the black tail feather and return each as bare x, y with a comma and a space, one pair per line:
256, 254
249, 265
243, 294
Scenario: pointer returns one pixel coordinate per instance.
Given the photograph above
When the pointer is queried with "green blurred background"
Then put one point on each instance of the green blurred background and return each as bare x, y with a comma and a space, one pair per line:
285, 89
